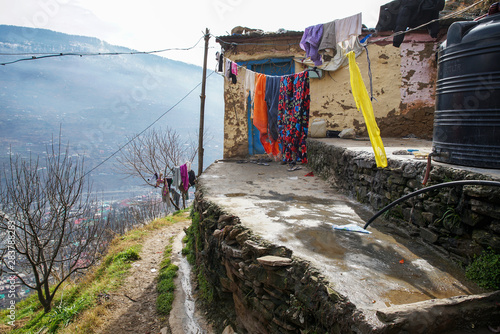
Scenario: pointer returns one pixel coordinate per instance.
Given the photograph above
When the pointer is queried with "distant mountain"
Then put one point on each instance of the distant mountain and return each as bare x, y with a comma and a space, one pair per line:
98, 101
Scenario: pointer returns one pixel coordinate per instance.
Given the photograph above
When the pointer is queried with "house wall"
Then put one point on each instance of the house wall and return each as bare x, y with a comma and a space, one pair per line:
403, 85
235, 112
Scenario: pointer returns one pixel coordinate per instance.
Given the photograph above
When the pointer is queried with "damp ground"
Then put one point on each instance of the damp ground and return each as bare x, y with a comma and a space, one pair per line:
291, 209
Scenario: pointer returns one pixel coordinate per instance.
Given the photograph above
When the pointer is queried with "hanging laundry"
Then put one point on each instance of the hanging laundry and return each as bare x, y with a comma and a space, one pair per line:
347, 27
159, 180
176, 197
169, 182
398, 15
340, 58
310, 42
192, 178
249, 88
165, 194
176, 182
260, 117
272, 100
219, 56
293, 116
339, 37
184, 177
364, 103
234, 73
329, 38
227, 69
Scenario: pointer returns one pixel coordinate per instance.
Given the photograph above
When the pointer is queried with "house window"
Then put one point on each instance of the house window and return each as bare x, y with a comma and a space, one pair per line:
272, 66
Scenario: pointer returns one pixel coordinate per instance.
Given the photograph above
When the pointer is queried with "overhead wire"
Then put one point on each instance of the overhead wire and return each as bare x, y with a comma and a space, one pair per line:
82, 54
146, 129
34, 56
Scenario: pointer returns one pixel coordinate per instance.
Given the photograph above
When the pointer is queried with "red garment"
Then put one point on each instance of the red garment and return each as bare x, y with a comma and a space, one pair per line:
184, 177
260, 119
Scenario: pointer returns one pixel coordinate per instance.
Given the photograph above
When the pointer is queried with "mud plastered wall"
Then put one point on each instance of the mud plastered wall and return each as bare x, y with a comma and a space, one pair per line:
403, 83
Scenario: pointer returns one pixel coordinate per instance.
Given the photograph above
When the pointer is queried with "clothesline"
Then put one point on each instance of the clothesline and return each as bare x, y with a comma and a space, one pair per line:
247, 69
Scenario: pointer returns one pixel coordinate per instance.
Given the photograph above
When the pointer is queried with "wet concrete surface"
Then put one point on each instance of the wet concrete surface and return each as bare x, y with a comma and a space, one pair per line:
374, 270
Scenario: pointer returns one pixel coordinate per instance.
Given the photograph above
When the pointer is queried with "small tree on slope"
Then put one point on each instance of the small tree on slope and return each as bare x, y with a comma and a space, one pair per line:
47, 216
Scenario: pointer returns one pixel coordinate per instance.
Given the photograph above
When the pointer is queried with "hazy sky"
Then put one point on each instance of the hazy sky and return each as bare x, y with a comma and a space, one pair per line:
147, 25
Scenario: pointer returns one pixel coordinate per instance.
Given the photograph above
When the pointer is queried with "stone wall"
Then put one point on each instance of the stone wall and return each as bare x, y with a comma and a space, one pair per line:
259, 287
460, 222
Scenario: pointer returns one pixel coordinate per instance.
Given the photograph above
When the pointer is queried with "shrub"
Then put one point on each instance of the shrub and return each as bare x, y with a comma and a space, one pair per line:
485, 270
128, 255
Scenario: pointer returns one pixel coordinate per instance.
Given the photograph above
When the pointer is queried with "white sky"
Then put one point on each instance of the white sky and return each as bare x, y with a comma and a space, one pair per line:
147, 25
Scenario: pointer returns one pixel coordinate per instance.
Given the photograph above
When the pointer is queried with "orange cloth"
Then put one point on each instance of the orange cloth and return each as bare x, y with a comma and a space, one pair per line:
259, 104
260, 119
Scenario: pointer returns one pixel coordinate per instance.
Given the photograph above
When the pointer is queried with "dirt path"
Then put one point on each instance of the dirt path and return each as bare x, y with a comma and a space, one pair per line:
134, 305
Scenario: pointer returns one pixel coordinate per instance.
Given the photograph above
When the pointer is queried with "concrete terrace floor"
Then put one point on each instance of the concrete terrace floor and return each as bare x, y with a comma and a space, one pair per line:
288, 208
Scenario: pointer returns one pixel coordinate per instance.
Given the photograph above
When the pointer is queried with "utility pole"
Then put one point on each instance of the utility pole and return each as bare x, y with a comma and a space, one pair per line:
202, 105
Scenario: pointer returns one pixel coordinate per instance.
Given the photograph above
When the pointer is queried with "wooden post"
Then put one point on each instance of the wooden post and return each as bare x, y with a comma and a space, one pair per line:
202, 105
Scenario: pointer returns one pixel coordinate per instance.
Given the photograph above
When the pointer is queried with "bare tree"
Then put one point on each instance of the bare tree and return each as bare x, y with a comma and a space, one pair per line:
47, 214
157, 152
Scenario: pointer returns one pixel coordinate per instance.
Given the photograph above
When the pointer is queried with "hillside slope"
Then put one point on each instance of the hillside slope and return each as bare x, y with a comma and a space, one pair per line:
97, 100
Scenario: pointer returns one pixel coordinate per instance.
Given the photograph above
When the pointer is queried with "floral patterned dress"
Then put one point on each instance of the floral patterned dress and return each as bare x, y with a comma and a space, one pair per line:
293, 116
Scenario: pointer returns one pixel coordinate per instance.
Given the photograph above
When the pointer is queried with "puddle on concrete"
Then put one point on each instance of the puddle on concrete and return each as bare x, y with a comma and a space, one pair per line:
374, 270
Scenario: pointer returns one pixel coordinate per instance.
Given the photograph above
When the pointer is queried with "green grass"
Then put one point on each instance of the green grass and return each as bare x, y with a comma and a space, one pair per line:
191, 239
206, 289
166, 286
193, 244
79, 307
73, 299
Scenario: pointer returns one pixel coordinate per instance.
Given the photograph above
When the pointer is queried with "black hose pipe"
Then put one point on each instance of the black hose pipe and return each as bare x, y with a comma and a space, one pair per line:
437, 186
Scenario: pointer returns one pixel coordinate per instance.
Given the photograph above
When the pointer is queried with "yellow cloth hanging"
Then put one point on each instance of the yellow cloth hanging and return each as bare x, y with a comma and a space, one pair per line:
364, 103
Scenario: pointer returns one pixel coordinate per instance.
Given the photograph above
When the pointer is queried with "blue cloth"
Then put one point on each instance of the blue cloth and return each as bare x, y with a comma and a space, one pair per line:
272, 100
310, 42
351, 228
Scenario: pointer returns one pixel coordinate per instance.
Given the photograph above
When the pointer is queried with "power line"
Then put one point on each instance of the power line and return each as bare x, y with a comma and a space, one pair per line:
37, 56
147, 128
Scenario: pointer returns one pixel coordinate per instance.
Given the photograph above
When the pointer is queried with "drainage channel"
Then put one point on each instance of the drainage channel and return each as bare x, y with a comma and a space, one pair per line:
184, 317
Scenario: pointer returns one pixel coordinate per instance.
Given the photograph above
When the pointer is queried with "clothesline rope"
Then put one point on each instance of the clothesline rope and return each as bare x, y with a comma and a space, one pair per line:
246, 68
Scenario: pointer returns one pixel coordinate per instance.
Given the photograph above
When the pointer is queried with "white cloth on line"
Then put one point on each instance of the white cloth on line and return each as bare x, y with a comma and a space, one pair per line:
347, 27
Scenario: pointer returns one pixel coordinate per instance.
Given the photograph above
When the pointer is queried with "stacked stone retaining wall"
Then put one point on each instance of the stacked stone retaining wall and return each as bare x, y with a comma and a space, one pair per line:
260, 287
460, 221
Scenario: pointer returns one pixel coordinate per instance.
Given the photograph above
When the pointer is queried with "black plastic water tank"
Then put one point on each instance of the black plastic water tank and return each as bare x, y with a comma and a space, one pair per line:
467, 117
